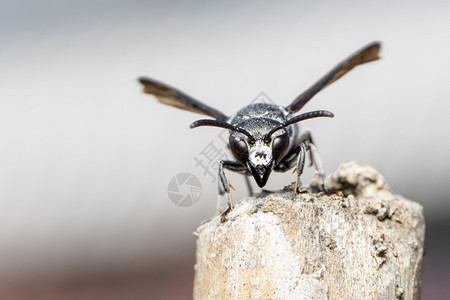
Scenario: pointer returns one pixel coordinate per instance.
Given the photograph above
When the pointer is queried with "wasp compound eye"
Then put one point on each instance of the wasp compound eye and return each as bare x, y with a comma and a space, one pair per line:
280, 145
239, 148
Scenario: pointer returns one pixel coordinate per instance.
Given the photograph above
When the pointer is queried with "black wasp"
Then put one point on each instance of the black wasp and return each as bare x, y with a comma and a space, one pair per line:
264, 137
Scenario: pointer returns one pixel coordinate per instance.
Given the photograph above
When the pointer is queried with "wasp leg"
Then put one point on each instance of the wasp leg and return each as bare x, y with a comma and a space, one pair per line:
307, 138
300, 166
294, 158
224, 183
315, 158
318, 165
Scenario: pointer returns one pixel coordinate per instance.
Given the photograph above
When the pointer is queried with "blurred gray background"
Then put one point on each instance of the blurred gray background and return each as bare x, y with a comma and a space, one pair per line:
86, 157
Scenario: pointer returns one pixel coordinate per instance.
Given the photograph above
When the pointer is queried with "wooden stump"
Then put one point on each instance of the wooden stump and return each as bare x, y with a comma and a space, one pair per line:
359, 242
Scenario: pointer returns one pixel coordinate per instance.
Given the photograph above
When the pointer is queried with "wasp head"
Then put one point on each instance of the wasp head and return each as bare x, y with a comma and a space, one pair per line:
260, 143
262, 148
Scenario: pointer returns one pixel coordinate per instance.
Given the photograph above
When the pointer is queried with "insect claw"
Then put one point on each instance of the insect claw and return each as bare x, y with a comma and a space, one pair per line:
223, 215
324, 189
232, 187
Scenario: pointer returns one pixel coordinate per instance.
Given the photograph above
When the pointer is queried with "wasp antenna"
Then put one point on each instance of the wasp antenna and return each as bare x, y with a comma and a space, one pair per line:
209, 122
305, 116
217, 123
309, 115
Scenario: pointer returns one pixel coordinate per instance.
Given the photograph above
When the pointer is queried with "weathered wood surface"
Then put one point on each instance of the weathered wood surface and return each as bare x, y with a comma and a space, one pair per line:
360, 242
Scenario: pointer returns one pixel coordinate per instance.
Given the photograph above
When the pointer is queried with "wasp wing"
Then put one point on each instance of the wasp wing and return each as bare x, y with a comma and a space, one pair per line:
171, 96
367, 54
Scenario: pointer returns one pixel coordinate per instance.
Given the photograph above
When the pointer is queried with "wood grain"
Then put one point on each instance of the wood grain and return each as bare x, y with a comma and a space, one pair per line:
361, 242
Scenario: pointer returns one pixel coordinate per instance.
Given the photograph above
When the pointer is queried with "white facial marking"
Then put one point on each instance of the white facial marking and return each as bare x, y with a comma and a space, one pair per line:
260, 155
